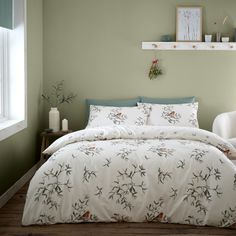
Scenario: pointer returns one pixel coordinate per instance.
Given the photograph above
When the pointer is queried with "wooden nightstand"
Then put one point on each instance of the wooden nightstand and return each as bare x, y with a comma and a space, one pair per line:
48, 138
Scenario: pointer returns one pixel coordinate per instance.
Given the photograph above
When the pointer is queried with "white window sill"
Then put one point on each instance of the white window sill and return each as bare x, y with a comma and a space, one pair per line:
11, 127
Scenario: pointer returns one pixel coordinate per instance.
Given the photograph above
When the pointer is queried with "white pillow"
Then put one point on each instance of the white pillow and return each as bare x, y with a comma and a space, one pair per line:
173, 114
108, 116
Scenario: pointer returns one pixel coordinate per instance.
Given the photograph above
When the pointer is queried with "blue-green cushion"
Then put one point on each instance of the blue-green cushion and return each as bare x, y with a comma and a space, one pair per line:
111, 103
167, 100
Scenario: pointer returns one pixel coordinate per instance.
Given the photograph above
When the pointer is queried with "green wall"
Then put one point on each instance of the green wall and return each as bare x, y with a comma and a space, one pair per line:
95, 46
19, 152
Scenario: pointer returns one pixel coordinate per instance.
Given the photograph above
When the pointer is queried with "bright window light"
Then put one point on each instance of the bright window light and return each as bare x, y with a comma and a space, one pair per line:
3, 73
13, 74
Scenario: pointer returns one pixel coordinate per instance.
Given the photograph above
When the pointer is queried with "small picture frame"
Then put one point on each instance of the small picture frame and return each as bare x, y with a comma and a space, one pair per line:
188, 23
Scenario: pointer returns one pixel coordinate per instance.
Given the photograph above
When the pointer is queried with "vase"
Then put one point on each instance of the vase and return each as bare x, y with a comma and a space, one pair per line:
54, 119
218, 36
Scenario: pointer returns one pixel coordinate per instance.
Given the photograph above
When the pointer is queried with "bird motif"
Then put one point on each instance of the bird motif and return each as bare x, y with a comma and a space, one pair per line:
86, 215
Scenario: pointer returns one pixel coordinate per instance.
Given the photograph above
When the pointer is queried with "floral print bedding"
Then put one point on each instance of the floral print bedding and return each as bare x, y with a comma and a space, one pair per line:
106, 115
173, 114
135, 174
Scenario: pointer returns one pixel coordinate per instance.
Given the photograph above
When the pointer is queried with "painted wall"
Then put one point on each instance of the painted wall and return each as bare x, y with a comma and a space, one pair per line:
95, 46
19, 152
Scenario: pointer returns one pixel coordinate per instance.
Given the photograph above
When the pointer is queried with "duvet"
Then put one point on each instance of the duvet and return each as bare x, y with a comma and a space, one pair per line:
135, 174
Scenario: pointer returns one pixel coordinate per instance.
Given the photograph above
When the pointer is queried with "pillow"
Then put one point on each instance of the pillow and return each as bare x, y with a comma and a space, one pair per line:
108, 116
173, 114
167, 100
112, 103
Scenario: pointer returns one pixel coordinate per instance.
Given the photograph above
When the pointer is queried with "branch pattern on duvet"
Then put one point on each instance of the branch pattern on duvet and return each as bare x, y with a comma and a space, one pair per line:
135, 174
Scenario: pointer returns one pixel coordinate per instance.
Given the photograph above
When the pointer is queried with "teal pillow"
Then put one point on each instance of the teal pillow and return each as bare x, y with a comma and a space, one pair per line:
111, 103
167, 100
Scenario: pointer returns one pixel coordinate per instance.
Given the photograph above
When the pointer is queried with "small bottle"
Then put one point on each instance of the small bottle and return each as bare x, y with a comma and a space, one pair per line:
218, 36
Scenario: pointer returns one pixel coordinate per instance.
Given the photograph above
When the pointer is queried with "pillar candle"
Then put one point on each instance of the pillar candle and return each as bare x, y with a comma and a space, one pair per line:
64, 125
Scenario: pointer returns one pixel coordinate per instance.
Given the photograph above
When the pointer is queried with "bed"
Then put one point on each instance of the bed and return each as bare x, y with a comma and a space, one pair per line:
135, 173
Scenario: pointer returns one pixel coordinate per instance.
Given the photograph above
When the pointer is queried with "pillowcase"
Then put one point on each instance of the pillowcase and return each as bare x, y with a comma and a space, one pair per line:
167, 100
173, 114
108, 116
112, 103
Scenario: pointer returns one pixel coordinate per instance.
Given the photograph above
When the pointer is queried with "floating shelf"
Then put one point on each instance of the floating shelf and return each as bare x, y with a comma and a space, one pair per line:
231, 46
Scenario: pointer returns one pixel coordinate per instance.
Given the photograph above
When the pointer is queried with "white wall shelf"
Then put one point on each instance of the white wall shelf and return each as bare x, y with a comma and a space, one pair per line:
231, 46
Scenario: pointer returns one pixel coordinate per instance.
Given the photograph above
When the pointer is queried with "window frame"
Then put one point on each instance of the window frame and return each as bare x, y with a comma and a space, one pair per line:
4, 62
14, 86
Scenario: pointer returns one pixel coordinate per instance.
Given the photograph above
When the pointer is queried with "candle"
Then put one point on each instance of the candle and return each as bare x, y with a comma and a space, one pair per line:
65, 125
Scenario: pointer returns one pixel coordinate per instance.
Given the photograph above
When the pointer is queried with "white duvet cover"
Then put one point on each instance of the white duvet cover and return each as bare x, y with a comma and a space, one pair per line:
135, 174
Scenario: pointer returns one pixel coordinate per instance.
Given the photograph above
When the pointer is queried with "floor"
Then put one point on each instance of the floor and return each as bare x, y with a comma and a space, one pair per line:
10, 224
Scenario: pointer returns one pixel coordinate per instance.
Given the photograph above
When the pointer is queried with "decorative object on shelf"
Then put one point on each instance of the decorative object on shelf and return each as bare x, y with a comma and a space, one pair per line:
225, 39
55, 99
225, 20
189, 23
218, 34
208, 38
155, 70
64, 125
166, 38
54, 119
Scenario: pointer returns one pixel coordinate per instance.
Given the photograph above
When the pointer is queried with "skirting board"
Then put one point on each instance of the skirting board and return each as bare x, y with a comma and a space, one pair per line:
5, 197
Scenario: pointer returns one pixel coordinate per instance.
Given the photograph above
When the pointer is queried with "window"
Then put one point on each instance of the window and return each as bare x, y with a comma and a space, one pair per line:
13, 74
3, 73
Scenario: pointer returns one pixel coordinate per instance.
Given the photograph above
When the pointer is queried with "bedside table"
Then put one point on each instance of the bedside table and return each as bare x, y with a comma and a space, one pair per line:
48, 138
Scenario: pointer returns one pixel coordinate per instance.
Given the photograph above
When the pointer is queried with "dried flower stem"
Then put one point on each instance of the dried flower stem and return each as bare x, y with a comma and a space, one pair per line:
225, 19
57, 95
